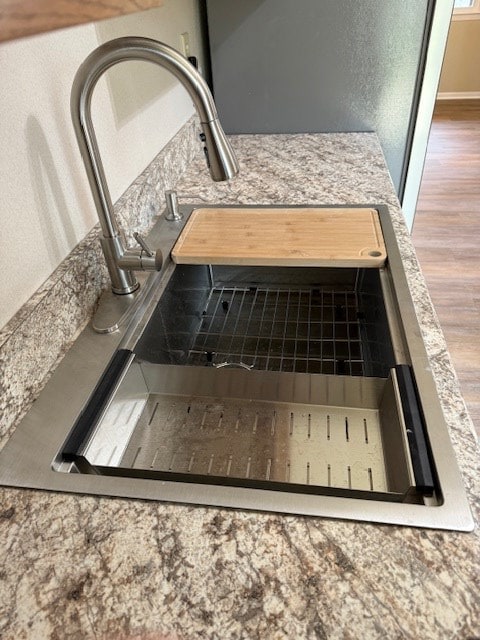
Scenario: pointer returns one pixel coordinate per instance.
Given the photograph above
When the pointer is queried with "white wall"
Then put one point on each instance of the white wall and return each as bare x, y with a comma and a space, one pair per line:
461, 66
45, 202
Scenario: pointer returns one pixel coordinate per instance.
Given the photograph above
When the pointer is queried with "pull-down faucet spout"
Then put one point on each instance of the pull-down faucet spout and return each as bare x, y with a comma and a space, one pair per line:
122, 261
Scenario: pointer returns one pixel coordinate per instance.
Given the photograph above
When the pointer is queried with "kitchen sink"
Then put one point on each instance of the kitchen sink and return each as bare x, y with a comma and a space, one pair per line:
291, 389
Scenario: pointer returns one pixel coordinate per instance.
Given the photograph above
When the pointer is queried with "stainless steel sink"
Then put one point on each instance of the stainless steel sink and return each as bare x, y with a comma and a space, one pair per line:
299, 390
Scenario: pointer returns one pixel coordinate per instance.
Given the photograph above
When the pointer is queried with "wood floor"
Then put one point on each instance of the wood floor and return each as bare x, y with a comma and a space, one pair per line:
446, 235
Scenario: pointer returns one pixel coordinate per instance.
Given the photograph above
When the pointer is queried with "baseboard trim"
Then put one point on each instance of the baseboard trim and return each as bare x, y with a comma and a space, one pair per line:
459, 95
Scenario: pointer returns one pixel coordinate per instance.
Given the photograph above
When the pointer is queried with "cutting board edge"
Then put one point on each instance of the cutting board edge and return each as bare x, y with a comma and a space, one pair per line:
371, 262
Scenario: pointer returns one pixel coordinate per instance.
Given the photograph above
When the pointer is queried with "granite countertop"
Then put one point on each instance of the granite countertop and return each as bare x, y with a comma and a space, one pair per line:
85, 567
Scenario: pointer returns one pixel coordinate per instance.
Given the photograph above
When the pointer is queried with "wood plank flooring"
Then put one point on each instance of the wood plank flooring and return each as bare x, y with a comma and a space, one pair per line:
446, 235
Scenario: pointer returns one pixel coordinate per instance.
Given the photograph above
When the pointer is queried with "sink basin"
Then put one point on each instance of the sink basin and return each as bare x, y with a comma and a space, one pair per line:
258, 377
292, 389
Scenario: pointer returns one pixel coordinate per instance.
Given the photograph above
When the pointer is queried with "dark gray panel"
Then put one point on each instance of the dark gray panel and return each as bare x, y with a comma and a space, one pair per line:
283, 66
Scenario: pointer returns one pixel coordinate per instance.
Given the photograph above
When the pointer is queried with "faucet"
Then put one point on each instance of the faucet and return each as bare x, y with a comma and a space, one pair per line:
121, 260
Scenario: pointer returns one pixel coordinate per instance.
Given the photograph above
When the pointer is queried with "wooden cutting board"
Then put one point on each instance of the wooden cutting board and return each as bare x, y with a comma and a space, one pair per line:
282, 237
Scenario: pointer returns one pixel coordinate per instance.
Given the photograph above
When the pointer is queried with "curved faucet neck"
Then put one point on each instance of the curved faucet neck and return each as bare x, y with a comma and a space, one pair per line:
219, 154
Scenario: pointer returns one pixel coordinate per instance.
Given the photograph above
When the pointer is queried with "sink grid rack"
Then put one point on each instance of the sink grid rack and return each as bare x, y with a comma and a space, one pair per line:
294, 330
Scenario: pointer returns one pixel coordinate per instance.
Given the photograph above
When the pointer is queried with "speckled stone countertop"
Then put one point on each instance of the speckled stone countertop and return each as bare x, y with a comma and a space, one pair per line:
83, 567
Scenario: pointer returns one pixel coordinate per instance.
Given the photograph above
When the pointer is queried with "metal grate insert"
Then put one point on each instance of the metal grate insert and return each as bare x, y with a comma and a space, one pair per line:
313, 445
296, 330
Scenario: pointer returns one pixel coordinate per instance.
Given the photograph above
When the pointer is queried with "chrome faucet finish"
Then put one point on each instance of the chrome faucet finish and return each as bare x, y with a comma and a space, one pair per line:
121, 260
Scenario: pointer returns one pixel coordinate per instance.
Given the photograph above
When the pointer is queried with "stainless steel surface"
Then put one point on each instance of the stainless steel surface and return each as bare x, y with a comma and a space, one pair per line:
399, 470
114, 311
342, 441
294, 329
142, 242
281, 319
172, 206
218, 153
237, 439
119, 419
113, 247
33, 455
221, 161
393, 314
327, 321
141, 260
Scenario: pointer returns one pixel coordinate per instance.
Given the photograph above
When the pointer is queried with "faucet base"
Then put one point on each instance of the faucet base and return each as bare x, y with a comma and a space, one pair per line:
124, 291
114, 310
123, 281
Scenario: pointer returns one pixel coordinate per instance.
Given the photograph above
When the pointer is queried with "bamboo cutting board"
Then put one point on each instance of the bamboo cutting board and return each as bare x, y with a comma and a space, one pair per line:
282, 237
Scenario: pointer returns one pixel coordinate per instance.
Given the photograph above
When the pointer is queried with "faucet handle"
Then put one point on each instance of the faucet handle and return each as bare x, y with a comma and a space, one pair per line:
141, 241
143, 259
